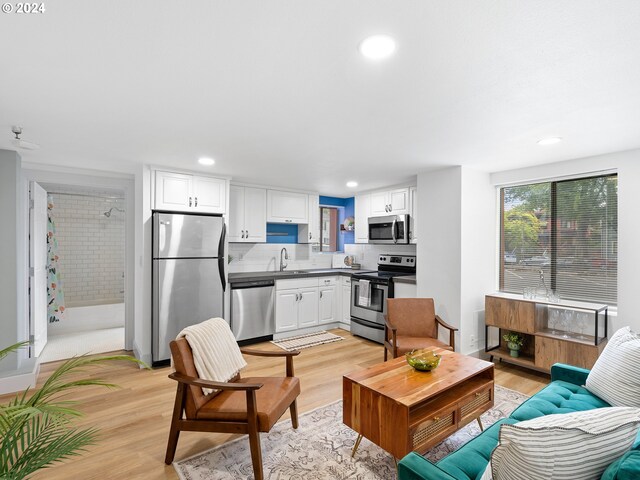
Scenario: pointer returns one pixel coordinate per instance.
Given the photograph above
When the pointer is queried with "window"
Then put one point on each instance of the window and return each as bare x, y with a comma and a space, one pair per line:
569, 230
328, 229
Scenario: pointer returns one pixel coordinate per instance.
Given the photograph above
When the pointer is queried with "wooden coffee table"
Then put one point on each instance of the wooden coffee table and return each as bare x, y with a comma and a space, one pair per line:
403, 410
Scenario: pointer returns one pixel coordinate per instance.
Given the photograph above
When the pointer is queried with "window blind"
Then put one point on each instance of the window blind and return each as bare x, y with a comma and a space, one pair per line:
568, 230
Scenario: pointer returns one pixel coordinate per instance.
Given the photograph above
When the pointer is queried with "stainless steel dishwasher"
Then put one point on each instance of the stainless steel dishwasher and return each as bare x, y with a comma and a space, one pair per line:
252, 310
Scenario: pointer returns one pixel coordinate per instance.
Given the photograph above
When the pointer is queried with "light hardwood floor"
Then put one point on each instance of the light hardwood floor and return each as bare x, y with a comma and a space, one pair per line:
134, 419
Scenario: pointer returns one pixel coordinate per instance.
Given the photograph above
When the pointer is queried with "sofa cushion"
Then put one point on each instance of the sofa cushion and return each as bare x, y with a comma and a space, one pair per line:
471, 459
626, 467
558, 397
573, 446
615, 377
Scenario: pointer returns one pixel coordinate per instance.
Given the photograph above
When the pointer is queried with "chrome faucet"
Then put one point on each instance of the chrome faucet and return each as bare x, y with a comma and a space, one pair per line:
286, 257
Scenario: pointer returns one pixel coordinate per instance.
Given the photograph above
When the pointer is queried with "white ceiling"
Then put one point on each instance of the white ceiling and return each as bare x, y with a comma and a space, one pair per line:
278, 94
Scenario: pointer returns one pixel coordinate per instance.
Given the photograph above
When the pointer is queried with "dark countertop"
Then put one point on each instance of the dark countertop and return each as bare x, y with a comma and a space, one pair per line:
410, 279
315, 272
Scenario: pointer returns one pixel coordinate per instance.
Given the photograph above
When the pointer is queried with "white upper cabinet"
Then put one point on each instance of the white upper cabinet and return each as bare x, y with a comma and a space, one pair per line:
363, 212
390, 202
413, 231
314, 219
379, 204
183, 192
209, 194
173, 191
310, 232
287, 207
399, 201
247, 214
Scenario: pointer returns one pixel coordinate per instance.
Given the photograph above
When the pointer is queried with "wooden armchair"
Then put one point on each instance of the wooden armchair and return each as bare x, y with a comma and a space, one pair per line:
412, 323
242, 405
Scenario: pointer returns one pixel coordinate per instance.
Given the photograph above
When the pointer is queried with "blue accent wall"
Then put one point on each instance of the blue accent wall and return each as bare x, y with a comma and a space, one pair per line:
290, 231
346, 208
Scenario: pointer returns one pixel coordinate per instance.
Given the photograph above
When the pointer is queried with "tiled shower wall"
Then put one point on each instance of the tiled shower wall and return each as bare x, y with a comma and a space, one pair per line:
91, 248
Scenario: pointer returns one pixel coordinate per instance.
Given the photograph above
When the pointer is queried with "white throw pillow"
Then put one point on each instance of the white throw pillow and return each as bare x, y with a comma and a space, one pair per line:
615, 377
567, 446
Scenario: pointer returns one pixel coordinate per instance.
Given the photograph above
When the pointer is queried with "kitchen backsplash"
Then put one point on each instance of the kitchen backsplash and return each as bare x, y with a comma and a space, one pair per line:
263, 257
367, 255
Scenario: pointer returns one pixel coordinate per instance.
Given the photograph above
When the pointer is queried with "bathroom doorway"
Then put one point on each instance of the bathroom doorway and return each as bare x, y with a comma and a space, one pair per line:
85, 271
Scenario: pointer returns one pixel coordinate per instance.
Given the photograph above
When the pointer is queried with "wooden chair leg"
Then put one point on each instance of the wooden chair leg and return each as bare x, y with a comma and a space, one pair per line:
385, 353
174, 431
293, 408
256, 453
172, 444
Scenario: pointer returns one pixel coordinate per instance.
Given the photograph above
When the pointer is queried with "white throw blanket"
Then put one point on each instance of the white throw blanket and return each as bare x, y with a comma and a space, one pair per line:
215, 351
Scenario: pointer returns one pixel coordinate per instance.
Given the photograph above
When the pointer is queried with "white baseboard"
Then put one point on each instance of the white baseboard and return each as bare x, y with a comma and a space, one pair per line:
20, 381
136, 353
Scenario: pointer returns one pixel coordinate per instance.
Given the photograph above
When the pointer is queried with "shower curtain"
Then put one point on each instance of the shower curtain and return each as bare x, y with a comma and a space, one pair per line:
55, 294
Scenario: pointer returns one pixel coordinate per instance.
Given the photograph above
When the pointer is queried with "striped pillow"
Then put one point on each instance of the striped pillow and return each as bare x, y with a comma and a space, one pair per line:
566, 446
615, 377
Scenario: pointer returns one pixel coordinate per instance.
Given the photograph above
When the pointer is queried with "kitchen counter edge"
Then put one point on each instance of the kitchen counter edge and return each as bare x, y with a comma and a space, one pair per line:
237, 277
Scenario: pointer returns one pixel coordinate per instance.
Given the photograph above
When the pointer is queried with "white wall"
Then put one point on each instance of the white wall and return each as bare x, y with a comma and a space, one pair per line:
12, 278
456, 250
142, 327
478, 255
439, 244
627, 164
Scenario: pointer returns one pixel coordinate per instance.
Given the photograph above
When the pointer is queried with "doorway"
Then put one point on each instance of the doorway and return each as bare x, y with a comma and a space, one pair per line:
86, 246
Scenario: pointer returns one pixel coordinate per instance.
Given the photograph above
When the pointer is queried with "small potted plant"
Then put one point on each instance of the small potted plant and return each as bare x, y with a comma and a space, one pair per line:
514, 343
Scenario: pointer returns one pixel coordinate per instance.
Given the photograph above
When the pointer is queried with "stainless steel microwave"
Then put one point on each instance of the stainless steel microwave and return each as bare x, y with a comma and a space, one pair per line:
393, 229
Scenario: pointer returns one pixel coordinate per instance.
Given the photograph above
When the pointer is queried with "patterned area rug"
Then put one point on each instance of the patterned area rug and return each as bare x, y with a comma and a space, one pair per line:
306, 341
320, 449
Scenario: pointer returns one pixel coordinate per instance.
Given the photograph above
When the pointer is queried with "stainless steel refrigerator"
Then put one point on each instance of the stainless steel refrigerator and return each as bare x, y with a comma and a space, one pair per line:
188, 275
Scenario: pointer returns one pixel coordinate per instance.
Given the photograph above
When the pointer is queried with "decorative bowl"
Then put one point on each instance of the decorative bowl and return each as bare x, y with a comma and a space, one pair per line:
423, 359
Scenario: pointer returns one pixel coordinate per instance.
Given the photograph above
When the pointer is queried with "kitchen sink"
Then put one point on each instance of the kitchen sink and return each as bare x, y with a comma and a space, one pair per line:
290, 272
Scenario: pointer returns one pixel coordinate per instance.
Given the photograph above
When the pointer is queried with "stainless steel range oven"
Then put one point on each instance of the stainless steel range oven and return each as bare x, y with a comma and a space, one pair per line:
369, 293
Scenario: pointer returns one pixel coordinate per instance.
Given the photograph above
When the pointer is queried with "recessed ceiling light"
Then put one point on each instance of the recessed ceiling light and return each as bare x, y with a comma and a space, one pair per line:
206, 161
378, 47
352, 184
549, 141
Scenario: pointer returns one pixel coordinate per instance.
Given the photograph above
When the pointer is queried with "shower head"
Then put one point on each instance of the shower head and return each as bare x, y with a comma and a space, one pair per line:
108, 214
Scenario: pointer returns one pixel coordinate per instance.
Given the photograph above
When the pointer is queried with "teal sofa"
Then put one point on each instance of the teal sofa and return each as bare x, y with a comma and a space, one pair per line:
564, 394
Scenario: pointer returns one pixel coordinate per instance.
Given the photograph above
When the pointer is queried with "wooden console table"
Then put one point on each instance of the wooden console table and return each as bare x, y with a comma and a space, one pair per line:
403, 410
545, 343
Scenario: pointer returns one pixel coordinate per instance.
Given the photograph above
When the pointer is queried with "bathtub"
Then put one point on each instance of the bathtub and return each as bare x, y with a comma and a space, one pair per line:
94, 317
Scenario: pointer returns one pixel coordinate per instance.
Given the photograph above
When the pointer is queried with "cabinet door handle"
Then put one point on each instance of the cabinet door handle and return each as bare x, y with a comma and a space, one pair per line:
242, 233
247, 234
196, 201
288, 220
309, 235
190, 202
436, 419
320, 294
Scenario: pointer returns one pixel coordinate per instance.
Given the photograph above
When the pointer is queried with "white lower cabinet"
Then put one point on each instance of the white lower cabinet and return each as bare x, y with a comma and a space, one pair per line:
296, 304
328, 301
287, 310
346, 301
312, 302
308, 307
